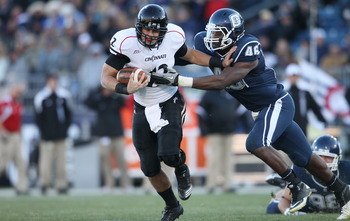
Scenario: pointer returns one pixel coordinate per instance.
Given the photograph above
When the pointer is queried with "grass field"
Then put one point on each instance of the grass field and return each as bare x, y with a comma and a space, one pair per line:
137, 207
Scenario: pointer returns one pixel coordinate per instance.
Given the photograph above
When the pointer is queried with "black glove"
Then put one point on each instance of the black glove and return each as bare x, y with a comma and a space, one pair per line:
169, 78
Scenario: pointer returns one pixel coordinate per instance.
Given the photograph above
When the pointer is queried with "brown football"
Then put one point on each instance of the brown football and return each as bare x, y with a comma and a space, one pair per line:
123, 74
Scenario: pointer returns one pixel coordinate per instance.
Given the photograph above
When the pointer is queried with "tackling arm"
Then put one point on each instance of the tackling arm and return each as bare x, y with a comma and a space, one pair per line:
228, 76
200, 58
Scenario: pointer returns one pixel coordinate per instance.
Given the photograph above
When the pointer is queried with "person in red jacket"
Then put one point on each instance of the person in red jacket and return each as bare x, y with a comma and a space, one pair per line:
10, 136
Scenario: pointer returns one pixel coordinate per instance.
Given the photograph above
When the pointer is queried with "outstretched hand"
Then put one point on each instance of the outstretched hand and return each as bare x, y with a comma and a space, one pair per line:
228, 58
169, 78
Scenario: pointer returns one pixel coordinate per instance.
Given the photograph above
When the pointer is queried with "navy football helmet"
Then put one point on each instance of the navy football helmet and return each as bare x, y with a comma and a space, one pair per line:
225, 27
153, 17
328, 146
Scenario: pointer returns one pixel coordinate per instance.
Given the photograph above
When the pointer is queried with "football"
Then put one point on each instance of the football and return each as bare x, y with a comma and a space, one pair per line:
123, 74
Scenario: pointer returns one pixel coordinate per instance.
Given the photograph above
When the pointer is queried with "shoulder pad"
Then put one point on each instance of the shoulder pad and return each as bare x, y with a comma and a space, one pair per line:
198, 42
122, 41
176, 34
248, 49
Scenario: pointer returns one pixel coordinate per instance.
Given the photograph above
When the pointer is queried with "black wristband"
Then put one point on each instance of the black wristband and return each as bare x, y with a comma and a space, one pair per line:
121, 89
215, 62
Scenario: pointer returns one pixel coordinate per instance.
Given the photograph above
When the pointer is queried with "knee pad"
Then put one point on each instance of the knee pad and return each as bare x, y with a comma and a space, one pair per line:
150, 172
174, 160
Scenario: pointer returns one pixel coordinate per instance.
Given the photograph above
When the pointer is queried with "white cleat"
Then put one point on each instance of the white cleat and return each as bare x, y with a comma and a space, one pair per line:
345, 212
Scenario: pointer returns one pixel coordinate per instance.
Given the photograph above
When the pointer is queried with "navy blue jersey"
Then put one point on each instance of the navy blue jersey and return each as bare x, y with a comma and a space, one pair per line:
259, 88
322, 199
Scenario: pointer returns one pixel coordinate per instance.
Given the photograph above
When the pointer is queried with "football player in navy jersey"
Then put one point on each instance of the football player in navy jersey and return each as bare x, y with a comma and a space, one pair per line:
255, 86
159, 110
321, 199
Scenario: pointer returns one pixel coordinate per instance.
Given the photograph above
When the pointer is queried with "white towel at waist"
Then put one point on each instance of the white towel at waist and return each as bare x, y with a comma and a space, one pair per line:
255, 114
153, 114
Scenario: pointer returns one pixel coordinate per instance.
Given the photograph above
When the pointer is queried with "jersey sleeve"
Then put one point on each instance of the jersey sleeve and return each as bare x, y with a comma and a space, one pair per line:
247, 52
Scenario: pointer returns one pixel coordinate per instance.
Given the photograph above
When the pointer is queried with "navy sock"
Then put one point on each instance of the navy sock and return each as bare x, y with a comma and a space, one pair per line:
335, 184
290, 177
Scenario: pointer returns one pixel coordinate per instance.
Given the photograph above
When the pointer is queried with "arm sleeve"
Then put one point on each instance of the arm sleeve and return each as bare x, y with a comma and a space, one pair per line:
182, 51
117, 61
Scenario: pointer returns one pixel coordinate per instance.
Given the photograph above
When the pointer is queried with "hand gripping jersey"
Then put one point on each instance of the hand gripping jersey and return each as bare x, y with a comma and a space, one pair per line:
259, 88
322, 200
125, 42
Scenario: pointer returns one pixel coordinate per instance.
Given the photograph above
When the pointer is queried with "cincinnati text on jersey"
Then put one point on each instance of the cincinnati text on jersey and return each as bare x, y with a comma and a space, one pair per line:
155, 57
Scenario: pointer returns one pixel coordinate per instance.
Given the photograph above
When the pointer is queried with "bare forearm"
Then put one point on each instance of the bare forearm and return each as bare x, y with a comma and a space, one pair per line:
229, 76
197, 57
214, 82
108, 79
217, 82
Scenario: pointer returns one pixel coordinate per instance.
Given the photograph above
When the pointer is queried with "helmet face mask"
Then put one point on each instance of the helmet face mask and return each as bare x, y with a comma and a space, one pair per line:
217, 37
152, 17
225, 27
328, 146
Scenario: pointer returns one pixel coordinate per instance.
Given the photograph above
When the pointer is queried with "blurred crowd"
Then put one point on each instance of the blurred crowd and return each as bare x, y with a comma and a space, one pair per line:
70, 38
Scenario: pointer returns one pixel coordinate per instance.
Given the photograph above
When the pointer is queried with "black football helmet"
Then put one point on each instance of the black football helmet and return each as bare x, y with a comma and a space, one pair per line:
225, 27
153, 17
328, 146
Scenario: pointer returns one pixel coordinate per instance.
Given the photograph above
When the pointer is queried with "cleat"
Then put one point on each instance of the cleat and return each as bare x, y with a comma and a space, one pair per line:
275, 180
300, 193
184, 185
343, 198
345, 212
171, 214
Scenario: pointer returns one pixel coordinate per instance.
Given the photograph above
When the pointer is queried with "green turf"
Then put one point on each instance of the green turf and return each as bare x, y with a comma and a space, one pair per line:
142, 207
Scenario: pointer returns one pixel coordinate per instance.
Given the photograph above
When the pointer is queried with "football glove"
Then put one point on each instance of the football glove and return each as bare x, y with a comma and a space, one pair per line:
169, 78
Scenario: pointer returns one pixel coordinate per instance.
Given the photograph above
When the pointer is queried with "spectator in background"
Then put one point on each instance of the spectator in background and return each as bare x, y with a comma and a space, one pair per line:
303, 100
285, 27
271, 59
53, 112
217, 114
10, 136
4, 62
213, 5
283, 52
334, 60
50, 56
89, 71
109, 130
320, 36
301, 13
265, 25
185, 20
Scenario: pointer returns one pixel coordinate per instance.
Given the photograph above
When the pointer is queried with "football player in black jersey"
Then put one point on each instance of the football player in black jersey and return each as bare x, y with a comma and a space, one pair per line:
255, 86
